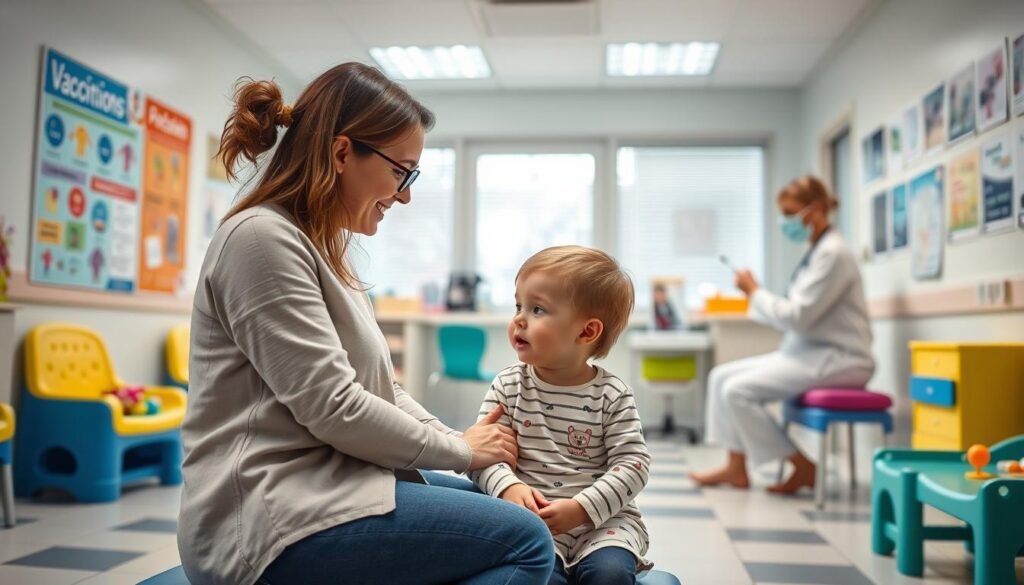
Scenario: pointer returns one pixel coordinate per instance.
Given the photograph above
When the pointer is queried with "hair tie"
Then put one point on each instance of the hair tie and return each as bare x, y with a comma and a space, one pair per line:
284, 117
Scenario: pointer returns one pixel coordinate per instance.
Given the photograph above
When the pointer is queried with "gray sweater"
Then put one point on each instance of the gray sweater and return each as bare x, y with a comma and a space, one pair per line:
294, 421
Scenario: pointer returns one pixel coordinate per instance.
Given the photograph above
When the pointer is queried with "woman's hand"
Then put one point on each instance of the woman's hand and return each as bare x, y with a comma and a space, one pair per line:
746, 282
523, 495
564, 515
491, 442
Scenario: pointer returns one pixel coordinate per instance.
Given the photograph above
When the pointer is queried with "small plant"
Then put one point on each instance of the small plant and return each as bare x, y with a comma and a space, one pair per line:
6, 232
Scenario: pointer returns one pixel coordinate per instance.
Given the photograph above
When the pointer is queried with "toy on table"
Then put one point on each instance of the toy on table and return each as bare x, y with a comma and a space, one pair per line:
1010, 466
134, 401
978, 456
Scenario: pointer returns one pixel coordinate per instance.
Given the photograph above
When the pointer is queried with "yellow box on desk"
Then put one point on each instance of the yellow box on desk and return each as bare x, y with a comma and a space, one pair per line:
668, 368
966, 393
721, 304
389, 304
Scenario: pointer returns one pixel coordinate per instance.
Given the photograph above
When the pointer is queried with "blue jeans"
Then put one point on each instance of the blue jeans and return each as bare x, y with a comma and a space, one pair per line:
445, 532
605, 566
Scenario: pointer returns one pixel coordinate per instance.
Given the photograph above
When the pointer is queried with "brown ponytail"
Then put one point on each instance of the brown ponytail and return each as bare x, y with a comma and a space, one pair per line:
251, 128
351, 99
809, 189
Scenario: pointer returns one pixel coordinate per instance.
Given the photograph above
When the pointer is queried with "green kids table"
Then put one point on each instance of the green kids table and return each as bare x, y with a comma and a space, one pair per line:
992, 509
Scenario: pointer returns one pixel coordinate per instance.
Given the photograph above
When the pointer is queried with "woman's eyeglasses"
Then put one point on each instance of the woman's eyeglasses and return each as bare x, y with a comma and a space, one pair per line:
410, 174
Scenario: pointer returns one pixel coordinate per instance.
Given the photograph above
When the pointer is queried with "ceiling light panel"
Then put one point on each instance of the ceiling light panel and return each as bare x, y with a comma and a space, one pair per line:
660, 59
454, 62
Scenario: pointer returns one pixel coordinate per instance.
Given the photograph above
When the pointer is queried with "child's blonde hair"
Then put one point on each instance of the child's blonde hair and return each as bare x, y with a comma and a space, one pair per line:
596, 285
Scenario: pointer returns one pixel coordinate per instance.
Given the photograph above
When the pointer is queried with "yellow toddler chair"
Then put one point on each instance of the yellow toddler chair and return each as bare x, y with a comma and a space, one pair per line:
176, 352
6, 483
76, 437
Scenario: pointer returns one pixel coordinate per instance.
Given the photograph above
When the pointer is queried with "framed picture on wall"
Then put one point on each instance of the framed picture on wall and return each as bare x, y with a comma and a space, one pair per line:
899, 217
963, 196
1017, 78
960, 97
997, 183
880, 224
913, 141
1018, 189
933, 111
873, 155
896, 144
991, 88
926, 209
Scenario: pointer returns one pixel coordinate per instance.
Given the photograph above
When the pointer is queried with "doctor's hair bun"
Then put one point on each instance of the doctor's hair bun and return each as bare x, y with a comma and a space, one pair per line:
809, 189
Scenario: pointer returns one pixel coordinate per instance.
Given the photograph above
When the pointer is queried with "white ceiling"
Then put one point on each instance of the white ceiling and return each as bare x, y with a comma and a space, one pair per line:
765, 43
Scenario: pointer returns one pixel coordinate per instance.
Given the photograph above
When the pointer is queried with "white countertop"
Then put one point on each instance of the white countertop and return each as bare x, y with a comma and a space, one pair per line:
669, 340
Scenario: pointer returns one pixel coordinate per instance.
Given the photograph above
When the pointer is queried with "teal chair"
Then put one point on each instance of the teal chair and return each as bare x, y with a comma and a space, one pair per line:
462, 350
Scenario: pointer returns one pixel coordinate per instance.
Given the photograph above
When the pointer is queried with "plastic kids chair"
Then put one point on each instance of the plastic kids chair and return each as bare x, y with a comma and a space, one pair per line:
76, 437
176, 353
462, 351
6, 482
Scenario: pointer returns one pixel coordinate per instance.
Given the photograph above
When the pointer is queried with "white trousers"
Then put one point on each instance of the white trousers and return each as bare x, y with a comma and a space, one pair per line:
738, 391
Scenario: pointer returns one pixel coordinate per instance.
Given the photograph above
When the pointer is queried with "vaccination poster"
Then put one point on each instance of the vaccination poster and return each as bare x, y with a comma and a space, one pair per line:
164, 198
899, 217
963, 196
991, 88
88, 179
933, 112
926, 225
960, 98
997, 183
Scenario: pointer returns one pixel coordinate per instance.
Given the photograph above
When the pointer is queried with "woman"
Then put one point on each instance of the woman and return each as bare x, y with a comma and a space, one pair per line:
301, 450
826, 342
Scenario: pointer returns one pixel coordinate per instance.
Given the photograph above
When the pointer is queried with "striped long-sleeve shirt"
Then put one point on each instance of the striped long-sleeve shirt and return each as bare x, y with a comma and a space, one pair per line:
581, 442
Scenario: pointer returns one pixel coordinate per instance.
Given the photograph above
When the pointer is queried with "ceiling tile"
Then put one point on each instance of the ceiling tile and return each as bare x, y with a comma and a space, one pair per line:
794, 20
307, 64
561, 60
409, 22
759, 63
666, 20
299, 25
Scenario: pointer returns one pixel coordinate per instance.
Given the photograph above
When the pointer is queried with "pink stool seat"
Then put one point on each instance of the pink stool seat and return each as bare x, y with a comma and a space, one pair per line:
845, 399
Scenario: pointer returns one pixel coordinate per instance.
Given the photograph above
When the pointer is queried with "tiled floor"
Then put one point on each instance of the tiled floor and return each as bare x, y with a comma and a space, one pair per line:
706, 537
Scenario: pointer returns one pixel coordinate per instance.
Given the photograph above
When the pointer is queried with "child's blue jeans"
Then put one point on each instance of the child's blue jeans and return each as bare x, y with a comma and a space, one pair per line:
445, 532
605, 566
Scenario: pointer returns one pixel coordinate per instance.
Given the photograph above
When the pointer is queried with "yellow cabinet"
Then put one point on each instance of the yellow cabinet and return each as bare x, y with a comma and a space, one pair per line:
966, 393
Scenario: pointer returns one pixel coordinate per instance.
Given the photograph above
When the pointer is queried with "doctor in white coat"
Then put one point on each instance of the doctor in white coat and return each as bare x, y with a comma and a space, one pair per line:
826, 343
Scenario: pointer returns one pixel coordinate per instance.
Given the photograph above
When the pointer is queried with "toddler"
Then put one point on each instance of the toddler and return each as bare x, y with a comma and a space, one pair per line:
582, 456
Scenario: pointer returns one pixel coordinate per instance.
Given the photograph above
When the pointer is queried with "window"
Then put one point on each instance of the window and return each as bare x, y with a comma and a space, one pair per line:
526, 202
413, 244
680, 207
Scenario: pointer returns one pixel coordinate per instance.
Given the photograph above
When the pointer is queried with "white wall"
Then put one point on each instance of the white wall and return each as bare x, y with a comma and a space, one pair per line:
169, 49
903, 50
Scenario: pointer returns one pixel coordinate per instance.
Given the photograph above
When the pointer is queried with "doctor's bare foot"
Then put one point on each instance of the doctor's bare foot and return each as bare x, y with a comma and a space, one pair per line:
803, 476
734, 473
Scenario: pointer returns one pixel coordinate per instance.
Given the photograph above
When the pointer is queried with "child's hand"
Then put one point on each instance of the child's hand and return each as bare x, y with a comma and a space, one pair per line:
523, 495
563, 515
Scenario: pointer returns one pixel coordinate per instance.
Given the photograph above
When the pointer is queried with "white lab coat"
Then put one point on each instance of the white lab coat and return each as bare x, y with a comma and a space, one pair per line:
826, 343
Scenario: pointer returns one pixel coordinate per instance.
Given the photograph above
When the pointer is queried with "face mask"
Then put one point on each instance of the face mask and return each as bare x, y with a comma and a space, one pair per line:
793, 227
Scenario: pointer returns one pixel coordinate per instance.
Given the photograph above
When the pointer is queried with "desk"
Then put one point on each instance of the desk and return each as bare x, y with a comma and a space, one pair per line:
673, 343
736, 336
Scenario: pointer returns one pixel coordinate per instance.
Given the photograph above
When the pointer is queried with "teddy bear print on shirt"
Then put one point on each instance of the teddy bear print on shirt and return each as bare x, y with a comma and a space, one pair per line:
578, 441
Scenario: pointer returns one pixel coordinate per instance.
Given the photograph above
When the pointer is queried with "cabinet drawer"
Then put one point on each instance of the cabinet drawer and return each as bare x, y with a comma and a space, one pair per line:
932, 443
937, 421
936, 364
933, 390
